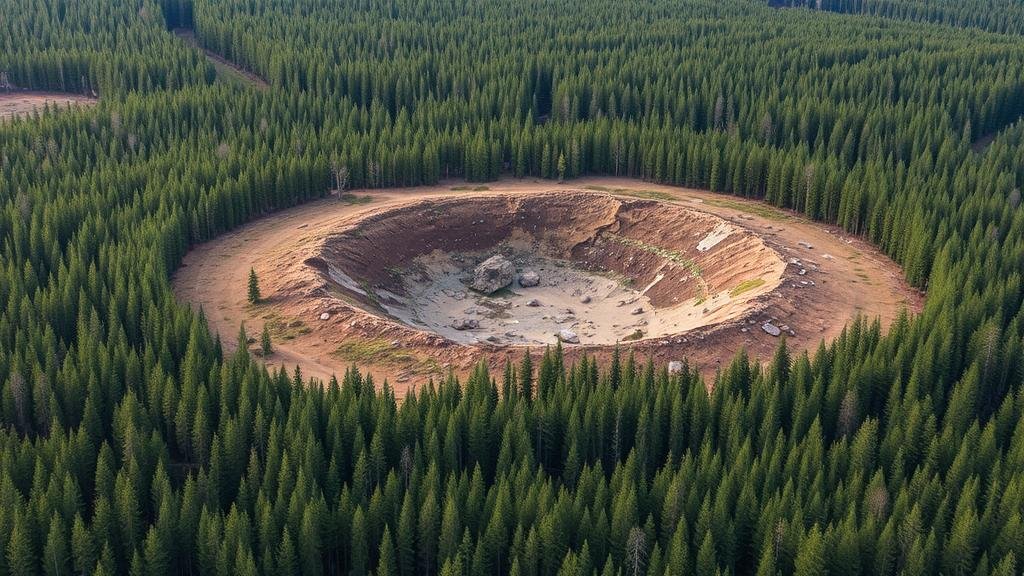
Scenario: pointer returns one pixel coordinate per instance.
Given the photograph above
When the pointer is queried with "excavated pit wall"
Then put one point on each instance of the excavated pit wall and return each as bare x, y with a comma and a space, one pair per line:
689, 268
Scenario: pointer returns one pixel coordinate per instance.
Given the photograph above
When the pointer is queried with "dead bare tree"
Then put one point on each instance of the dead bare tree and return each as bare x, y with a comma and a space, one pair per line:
848, 412
636, 551
19, 391
340, 174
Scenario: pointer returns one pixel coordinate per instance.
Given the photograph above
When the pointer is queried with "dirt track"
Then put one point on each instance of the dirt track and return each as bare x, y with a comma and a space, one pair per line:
845, 276
224, 67
14, 104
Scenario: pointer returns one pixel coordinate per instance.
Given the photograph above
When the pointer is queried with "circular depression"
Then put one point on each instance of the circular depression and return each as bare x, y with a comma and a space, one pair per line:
610, 269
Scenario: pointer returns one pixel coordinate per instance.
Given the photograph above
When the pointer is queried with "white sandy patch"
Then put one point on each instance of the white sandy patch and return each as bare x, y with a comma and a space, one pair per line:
437, 296
720, 232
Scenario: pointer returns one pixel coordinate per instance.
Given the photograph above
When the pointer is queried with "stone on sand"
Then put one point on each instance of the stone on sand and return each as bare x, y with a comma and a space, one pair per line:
529, 279
465, 324
493, 274
568, 336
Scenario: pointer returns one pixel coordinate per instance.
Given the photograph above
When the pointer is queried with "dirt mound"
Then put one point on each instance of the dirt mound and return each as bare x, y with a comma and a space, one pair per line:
647, 269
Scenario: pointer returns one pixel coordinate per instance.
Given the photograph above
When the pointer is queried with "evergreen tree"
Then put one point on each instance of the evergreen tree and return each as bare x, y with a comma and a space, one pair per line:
254, 287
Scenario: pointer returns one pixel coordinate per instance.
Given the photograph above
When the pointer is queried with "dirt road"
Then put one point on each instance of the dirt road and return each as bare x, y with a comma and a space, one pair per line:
849, 277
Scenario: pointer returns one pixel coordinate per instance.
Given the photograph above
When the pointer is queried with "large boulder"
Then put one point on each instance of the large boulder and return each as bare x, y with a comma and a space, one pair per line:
493, 274
466, 324
529, 279
771, 329
675, 367
568, 336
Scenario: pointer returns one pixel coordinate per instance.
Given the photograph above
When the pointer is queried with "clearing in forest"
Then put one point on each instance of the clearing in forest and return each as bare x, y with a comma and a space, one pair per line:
416, 282
15, 104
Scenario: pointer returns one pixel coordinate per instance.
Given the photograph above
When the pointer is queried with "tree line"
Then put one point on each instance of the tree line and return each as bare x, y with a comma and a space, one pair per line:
133, 442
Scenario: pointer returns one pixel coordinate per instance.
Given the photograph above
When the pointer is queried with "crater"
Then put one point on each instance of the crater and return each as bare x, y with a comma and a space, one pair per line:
610, 269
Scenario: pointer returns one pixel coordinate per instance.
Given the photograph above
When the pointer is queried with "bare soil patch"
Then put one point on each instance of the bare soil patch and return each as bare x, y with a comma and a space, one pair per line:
343, 282
16, 104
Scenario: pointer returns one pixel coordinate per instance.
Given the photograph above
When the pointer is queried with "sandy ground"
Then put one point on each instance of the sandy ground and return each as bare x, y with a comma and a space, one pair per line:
13, 104
439, 300
831, 277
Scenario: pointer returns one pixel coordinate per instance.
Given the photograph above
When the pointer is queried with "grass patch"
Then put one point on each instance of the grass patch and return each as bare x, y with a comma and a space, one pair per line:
673, 255
746, 286
762, 210
229, 75
647, 194
353, 199
284, 331
379, 351
636, 335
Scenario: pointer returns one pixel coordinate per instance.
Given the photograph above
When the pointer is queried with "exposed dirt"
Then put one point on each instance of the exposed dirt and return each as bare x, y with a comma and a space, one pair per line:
612, 269
14, 104
757, 264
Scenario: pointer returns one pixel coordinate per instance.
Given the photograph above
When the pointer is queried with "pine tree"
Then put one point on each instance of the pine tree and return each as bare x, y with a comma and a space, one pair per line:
21, 558
386, 562
810, 560
254, 287
55, 552
526, 376
265, 345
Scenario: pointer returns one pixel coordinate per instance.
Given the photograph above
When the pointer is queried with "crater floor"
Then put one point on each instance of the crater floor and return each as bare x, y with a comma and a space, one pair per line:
611, 269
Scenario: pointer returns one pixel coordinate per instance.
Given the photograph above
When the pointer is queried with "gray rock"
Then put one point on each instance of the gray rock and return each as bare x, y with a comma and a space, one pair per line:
637, 310
568, 336
529, 279
325, 316
585, 300
466, 324
771, 329
675, 367
532, 303
493, 274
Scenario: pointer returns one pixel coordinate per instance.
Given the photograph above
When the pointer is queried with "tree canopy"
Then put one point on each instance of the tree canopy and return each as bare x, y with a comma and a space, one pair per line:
133, 442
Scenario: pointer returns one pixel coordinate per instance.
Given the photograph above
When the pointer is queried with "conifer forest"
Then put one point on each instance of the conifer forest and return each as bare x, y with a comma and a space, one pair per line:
136, 440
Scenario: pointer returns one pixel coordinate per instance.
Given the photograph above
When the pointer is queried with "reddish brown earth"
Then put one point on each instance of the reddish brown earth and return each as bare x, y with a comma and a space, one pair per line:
630, 228
14, 104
